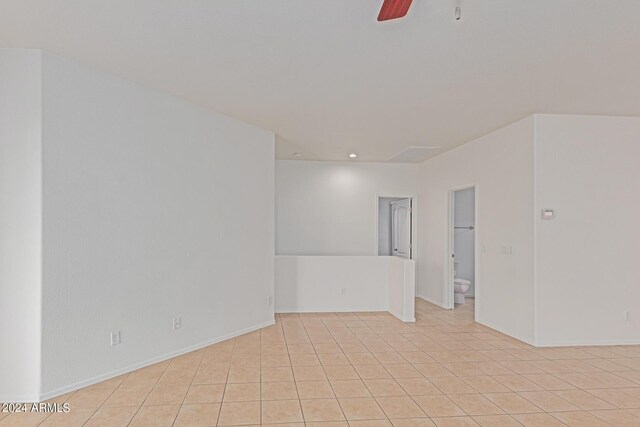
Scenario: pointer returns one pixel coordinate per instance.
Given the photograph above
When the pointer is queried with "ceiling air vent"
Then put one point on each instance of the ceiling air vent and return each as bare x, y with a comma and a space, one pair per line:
413, 154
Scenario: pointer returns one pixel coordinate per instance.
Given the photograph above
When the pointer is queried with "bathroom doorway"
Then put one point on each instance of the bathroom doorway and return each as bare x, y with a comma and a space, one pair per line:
462, 249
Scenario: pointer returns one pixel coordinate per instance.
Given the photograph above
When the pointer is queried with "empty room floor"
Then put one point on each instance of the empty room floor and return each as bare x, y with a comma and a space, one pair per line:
368, 369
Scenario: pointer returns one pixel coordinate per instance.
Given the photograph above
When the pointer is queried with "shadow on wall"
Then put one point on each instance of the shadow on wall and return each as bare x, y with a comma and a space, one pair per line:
283, 291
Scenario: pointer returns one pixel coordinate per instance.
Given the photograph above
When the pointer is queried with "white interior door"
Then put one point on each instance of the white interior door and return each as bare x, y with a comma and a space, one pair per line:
401, 228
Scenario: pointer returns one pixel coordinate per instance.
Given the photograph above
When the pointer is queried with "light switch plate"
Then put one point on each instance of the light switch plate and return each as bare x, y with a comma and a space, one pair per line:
548, 214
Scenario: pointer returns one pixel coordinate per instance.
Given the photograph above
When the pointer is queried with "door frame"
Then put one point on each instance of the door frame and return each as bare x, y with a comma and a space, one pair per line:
450, 265
394, 218
414, 220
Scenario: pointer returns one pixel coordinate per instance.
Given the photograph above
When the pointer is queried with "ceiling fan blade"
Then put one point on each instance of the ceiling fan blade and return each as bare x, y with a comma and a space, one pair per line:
393, 9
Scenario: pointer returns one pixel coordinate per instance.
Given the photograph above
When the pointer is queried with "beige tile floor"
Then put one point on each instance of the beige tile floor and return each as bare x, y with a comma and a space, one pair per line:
368, 369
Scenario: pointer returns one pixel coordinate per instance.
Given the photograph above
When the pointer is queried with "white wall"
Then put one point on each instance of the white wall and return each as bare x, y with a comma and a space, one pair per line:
587, 257
331, 283
345, 283
500, 165
330, 208
464, 241
153, 208
402, 288
567, 281
20, 220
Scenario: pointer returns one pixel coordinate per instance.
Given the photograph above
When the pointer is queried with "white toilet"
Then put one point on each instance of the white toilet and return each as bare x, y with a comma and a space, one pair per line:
460, 287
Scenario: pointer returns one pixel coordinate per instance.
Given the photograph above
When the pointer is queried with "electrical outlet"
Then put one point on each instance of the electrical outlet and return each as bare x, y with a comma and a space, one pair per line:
115, 338
269, 300
344, 291
177, 323
548, 214
506, 250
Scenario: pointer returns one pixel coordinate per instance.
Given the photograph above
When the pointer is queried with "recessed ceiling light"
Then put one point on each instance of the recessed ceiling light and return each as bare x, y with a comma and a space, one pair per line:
353, 155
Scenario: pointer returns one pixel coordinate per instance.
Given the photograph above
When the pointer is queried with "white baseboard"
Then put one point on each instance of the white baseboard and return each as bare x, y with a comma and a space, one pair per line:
289, 311
404, 319
585, 343
103, 377
527, 340
568, 343
432, 301
327, 310
19, 398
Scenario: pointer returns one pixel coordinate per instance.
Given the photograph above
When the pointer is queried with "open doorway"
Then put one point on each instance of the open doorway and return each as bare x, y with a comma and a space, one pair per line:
395, 227
462, 247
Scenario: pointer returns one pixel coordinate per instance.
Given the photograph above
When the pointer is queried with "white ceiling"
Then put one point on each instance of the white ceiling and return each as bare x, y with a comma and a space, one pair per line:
330, 80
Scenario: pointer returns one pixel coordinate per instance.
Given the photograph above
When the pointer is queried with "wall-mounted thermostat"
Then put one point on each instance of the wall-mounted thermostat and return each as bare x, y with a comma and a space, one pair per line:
547, 214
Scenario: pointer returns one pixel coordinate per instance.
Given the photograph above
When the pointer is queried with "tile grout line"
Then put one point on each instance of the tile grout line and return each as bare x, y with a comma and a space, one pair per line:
284, 335
224, 390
